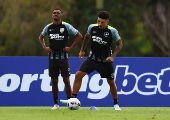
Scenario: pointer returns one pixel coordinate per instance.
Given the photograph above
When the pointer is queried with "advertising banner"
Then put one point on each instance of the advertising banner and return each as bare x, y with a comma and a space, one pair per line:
141, 82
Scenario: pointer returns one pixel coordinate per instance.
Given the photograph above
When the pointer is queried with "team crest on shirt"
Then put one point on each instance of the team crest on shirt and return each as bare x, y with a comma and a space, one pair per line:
61, 30
106, 34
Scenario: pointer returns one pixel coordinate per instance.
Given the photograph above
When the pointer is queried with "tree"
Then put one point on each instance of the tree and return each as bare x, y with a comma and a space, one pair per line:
23, 21
157, 24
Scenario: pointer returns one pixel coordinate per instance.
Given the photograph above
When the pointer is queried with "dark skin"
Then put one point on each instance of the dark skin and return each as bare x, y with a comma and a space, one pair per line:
57, 16
102, 23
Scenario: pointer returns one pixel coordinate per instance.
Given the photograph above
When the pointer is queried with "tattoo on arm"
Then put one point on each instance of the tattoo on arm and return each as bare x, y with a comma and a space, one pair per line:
118, 48
86, 40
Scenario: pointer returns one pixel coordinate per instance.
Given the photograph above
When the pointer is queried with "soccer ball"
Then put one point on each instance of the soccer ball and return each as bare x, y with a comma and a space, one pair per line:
73, 104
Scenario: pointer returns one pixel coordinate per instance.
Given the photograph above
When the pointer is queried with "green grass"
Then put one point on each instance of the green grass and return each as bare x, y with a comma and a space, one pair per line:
103, 113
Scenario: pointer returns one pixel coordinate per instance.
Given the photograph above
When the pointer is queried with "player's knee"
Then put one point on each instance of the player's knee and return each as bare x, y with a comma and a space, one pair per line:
111, 82
54, 80
66, 81
78, 75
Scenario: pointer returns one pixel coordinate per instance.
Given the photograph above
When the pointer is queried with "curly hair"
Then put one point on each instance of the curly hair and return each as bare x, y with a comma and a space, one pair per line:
104, 15
58, 9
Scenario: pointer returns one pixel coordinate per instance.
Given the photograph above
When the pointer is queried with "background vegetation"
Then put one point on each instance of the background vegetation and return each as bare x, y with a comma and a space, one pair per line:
144, 26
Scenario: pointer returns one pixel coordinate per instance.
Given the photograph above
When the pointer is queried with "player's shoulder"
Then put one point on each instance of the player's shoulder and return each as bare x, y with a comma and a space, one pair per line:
49, 24
45, 30
65, 23
111, 28
93, 25
114, 32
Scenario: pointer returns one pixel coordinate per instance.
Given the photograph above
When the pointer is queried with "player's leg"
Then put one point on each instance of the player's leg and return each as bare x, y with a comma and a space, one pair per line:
66, 81
76, 85
65, 73
77, 82
85, 68
113, 90
106, 70
54, 73
55, 89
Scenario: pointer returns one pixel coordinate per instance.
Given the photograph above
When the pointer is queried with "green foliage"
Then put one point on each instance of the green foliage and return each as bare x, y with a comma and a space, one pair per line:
22, 22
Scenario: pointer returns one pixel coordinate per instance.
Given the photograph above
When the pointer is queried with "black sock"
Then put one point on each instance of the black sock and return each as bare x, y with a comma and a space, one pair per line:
55, 100
115, 101
68, 97
74, 95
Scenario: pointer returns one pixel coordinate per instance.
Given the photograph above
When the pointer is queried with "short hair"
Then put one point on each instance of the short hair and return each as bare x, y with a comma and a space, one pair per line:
104, 15
58, 9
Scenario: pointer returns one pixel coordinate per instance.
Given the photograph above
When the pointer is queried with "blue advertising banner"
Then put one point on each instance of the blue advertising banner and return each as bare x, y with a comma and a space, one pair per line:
141, 82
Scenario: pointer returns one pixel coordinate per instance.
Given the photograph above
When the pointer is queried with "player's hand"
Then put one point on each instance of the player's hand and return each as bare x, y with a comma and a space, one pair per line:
81, 54
109, 59
48, 49
66, 49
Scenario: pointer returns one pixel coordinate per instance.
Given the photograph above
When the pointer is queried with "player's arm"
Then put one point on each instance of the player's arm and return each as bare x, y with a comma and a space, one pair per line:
119, 45
41, 39
77, 40
85, 41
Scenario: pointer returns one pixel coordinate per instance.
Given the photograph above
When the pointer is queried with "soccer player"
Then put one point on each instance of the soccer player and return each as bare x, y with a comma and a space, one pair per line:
101, 57
58, 32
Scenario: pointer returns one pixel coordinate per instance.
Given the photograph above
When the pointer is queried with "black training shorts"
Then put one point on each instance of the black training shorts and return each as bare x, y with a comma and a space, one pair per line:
105, 69
55, 65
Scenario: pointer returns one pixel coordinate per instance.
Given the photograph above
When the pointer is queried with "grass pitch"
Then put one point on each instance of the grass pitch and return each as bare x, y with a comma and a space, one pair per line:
103, 113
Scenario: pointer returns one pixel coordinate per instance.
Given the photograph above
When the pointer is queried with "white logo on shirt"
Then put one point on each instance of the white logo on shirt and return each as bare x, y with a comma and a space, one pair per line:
99, 40
56, 37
